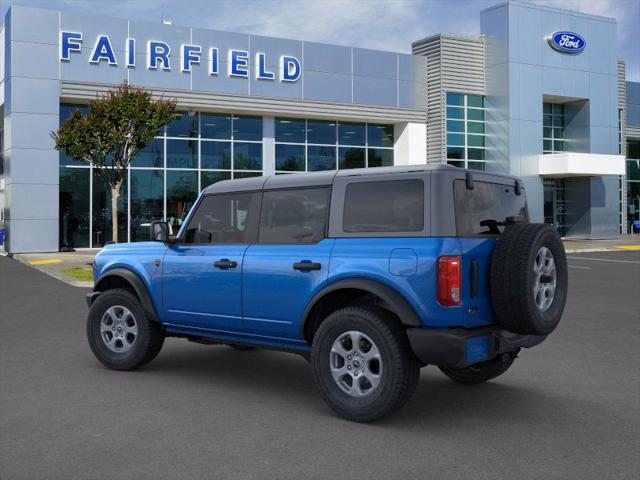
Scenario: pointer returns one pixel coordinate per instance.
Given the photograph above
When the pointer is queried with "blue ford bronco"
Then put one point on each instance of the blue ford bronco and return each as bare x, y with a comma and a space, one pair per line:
369, 274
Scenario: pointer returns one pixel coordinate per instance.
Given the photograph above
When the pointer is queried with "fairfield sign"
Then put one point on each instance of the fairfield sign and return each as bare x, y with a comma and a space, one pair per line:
159, 56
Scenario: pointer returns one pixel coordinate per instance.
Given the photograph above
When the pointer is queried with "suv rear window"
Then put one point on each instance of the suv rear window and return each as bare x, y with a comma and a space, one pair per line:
294, 216
484, 210
384, 206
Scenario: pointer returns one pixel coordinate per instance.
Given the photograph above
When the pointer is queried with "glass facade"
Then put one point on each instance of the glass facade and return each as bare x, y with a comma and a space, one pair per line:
552, 128
192, 152
633, 182
465, 130
305, 145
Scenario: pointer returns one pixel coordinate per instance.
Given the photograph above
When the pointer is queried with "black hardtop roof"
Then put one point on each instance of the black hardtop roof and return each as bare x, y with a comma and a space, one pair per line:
316, 179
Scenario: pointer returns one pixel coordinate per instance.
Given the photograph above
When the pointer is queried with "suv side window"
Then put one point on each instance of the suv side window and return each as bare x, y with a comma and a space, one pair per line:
483, 210
384, 206
294, 215
225, 219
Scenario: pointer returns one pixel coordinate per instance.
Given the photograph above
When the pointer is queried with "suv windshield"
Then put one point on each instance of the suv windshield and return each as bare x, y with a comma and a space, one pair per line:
485, 209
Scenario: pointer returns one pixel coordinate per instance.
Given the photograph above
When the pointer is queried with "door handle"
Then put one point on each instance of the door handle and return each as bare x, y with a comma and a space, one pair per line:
225, 263
306, 265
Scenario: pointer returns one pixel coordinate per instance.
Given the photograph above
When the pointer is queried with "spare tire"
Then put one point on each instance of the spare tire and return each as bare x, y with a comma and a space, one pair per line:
528, 280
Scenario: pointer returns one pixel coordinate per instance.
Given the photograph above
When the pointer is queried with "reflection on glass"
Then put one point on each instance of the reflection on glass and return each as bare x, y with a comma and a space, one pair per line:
290, 130
151, 155
351, 158
182, 153
147, 190
475, 101
379, 135
74, 207
182, 189
351, 133
455, 112
184, 124
290, 158
215, 126
455, 139
320, 131
247, 128
455, 126
102, 231
246, 174
216, 155
378, 157
455, 98
209, 178
247, 156
321, 158
455, 152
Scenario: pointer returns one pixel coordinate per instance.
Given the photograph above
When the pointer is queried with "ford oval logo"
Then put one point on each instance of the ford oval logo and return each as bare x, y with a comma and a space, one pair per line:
567, 42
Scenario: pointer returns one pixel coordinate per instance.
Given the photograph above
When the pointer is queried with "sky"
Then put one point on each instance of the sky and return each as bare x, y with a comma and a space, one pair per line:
378, 24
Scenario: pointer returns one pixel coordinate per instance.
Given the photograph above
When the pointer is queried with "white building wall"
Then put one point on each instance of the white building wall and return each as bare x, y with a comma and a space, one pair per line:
411, 143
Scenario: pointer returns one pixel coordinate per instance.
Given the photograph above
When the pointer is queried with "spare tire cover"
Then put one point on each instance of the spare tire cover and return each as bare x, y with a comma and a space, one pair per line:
528, 280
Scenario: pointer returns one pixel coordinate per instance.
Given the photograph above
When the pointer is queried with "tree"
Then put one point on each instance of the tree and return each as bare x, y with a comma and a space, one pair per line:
117, 126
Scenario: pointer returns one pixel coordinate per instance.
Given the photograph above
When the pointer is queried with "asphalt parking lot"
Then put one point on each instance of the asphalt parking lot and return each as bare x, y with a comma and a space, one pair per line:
568, 409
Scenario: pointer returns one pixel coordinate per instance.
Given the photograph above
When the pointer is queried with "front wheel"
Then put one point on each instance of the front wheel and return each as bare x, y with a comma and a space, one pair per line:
363, 364
120, 334
480, 372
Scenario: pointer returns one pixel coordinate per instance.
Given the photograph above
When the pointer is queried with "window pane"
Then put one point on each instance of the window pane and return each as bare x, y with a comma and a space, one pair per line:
546, 108
456, 164
380, 135
247, 156
294, 216
209, 178
557, 108
547, 132
215, 126
475, 153
215, 155
182, 153
351, 157
102, 231
147, 201
321, 158
247, 128
378, 157
151, 155
547, 120
66, 109
454, 112
455, 126
475, 127
290, 158
558, 121
455, 139
547, 145
558, 145
475, 140
225, 219
246, 174
633, 169
385, 206
455, 153
67, 160
475, 101
473, 114
319, 131
558, 133
455, 99
633, 149
183, 125
290, 130
182, 190
351, 133
487, 201
476, 165
74, 207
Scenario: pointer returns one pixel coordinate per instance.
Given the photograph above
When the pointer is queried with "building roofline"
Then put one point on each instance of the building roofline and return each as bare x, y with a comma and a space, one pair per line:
430, 38
521, 3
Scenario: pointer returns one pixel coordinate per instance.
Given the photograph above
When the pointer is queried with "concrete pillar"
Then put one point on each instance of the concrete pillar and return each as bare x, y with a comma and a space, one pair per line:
410, 146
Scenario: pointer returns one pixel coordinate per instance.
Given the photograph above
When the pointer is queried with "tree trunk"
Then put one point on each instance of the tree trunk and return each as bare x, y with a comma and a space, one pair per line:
115, 194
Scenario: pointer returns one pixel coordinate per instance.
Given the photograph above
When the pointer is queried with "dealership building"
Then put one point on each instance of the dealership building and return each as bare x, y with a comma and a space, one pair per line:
541, 94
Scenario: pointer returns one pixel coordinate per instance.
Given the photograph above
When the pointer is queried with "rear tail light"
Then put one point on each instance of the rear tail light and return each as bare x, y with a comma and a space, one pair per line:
449, 273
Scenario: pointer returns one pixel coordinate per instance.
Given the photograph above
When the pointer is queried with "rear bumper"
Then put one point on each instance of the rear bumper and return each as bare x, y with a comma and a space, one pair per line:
459, 347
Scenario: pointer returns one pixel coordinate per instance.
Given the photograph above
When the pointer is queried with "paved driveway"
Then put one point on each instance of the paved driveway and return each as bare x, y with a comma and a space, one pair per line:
567, 409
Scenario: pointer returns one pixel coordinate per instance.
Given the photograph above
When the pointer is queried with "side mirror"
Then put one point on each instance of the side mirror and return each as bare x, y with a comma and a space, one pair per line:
159, 232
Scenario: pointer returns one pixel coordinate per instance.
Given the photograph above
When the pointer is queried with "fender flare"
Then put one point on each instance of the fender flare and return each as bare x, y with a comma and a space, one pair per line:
395, 301
138, 286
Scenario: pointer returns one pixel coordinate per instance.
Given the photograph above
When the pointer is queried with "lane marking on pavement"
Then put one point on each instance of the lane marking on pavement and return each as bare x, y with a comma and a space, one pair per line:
583, 268
628, 247
604, 260
47, 261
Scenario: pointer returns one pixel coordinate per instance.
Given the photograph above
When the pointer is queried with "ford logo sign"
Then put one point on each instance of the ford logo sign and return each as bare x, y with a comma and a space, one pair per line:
567, 42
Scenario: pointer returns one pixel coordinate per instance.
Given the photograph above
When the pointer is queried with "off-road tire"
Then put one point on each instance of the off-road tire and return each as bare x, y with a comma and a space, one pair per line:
399, 375
480, 372
512, 279
148, 342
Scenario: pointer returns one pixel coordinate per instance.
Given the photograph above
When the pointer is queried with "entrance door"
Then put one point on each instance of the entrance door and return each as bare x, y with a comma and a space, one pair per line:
555, 205
202, 273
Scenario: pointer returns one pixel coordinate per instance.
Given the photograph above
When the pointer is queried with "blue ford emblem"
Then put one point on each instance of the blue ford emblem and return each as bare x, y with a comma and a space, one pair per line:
567, 42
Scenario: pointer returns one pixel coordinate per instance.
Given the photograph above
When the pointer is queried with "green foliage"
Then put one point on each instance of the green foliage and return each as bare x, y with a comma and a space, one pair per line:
117, 126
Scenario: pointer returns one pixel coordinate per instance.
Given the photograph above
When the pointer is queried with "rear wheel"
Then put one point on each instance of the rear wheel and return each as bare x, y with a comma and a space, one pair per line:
480, 372
120, 334
363, 364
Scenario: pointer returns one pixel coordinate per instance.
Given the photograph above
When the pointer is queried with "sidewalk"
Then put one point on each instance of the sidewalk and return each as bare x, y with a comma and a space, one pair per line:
75, 267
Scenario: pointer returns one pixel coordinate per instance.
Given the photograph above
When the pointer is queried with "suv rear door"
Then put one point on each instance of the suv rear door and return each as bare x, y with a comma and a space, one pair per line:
202, 273
289, 263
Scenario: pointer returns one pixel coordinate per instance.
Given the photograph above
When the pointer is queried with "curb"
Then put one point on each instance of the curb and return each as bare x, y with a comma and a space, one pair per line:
57, 276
